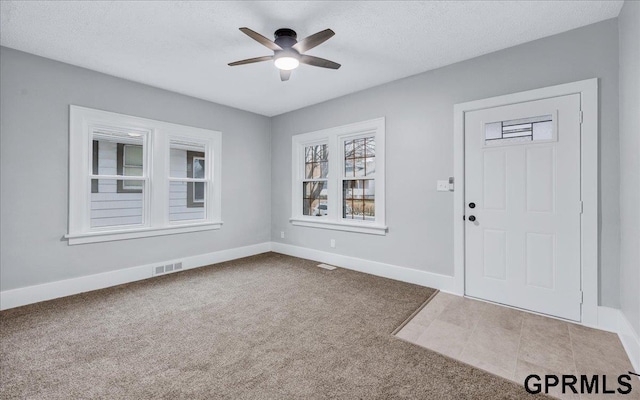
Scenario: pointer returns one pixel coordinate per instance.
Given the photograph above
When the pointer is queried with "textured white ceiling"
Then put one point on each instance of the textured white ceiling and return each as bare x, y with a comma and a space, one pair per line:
184, 46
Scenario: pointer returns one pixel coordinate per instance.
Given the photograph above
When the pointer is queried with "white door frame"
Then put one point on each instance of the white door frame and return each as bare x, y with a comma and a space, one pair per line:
588, 90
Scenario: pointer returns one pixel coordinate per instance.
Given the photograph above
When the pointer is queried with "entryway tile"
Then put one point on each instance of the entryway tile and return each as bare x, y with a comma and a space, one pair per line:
444, 337
514, 344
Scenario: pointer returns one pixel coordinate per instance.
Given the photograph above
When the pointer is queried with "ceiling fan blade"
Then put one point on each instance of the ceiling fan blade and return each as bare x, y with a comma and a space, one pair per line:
251, 60
318, 62
284, 75
260, 39
314, 40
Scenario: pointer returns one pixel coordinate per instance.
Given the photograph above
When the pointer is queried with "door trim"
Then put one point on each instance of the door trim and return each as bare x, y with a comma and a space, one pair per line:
589, 253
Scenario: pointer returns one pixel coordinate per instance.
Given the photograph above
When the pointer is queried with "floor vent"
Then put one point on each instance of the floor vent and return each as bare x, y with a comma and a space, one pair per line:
325, 266
165, 269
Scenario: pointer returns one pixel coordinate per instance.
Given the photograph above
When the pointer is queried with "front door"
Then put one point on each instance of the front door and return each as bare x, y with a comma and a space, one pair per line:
522, 205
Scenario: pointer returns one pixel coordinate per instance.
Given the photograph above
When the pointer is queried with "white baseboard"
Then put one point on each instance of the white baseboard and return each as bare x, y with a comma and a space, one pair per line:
613, 320
630, 340
48, 291
404, 274
608, 319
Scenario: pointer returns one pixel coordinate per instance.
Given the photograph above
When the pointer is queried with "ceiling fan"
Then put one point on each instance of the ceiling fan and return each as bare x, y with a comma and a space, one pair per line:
288, 52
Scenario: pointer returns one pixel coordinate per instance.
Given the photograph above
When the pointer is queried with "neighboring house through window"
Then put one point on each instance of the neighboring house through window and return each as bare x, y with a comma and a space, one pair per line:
129, 163
195, 169
172, 175
338, 178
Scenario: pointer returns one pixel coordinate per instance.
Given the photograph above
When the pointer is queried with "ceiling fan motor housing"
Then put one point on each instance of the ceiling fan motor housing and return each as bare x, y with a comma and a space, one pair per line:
285, 37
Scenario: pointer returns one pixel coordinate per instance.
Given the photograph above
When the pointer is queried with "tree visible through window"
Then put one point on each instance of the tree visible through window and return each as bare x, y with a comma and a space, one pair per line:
338, 178
314, 185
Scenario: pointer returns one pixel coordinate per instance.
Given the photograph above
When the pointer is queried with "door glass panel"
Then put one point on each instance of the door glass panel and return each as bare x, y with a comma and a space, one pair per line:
518, 131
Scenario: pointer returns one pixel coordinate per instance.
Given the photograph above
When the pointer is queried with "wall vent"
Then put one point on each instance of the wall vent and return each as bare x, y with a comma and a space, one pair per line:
167, 268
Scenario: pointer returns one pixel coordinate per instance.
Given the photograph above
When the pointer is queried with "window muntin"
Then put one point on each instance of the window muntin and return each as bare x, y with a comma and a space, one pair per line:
519, 131
314, 184
98, 211
352, 182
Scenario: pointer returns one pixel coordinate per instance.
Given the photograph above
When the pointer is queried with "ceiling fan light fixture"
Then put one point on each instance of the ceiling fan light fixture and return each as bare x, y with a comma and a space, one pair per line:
286, 62
288, 53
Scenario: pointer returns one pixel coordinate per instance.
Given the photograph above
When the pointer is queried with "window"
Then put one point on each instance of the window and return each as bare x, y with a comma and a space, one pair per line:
338, 178
172, 177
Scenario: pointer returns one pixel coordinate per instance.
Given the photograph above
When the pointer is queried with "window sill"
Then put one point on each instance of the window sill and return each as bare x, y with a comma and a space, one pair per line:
341, 226
107, 236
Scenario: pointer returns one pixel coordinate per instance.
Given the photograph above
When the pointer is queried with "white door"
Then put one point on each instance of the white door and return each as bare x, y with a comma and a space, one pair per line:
522, 205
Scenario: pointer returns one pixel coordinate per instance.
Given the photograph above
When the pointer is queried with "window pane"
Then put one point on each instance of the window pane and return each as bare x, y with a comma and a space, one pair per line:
349, 167
133, 155
359, 166
370, 166
198, 167
112, 151
370, 147
132, 171
186, 158
543, 130
111, 208
315, 164
359, 147
186, 200
348, 149
314, 201
359, 157
198, 192
524, 130
359, 199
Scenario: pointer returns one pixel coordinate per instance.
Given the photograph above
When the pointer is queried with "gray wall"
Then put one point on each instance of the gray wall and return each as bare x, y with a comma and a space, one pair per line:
419, 116
34, 130
629, 28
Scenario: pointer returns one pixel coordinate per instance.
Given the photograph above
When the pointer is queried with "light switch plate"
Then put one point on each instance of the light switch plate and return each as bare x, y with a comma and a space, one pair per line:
442, 186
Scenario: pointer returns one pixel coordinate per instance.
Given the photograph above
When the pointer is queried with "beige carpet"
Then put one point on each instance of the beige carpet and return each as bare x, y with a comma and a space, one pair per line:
264, 327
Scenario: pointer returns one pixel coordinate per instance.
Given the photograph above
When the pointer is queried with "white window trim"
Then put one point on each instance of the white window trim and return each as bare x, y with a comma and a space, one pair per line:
156, 175
334, 137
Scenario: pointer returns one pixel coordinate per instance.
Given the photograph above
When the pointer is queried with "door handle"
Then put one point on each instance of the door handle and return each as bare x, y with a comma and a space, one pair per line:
472, 218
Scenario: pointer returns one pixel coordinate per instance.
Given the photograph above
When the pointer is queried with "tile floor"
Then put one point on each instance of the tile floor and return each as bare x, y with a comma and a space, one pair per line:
514, 344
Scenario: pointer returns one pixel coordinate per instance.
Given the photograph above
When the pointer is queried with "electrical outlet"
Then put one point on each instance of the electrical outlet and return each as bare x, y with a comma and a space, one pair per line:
282, 235
333, 243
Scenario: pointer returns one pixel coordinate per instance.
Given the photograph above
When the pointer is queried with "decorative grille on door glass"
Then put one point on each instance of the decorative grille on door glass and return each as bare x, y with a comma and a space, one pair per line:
518, 131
